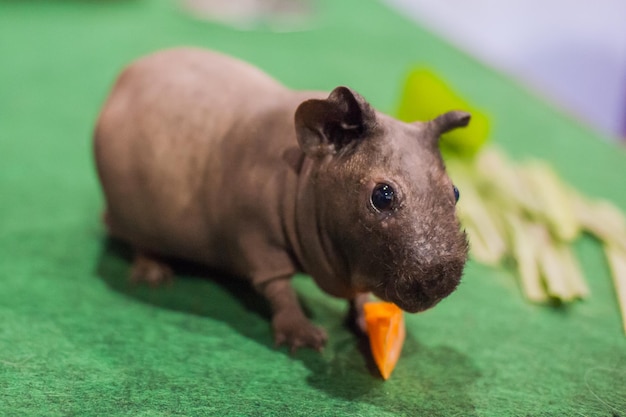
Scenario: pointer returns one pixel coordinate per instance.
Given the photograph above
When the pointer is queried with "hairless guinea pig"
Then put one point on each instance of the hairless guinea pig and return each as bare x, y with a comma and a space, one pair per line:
205, 158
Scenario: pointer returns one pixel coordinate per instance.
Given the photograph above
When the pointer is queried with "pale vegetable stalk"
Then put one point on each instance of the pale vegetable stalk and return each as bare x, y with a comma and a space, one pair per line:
505, 184
616, 258
555, 205
550, 265
571, 268
526, 212
486, 235
601, 219
525, 255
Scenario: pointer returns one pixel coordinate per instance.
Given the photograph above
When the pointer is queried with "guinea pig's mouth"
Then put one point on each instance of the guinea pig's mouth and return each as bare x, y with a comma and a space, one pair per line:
411, 303
416, 295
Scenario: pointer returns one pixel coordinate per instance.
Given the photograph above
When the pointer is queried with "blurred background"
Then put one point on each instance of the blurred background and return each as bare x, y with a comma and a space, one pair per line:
571, 53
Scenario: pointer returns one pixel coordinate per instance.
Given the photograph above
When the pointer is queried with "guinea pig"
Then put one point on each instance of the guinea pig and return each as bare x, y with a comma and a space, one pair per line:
205, 158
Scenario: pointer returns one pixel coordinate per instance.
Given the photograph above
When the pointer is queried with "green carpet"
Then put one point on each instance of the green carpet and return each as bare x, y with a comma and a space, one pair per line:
76, 339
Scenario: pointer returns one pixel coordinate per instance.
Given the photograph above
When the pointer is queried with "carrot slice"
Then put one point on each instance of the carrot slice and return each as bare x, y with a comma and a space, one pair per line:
386, 332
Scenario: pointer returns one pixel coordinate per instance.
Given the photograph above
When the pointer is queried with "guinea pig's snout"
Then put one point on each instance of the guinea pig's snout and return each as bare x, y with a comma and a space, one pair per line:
419, 292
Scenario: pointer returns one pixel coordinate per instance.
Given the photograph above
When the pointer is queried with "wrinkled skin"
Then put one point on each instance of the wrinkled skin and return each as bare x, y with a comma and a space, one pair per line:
205, 158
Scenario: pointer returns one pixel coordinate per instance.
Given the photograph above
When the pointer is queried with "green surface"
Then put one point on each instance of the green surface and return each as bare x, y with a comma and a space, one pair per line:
76, 339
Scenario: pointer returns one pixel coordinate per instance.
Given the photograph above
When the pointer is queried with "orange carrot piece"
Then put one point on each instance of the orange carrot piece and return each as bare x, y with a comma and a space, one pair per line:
386, 332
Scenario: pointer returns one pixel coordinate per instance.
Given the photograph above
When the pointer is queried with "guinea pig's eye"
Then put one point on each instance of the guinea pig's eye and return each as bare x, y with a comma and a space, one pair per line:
456, 193
383, 197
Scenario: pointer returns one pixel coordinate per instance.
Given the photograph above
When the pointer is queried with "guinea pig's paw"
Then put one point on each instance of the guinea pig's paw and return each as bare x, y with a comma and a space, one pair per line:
296, 331
355, 320
151, 271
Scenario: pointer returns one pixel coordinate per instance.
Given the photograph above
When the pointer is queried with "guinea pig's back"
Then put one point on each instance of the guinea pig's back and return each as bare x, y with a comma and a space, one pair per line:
160, 143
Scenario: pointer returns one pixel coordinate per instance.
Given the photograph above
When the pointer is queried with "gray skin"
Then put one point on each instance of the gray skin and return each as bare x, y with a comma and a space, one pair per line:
205, 158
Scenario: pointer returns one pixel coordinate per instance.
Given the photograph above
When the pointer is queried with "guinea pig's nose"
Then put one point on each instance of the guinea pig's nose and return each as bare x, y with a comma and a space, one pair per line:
421, 286
441, 279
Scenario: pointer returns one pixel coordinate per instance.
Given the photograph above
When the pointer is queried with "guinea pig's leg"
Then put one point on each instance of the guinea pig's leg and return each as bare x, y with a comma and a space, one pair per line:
146, 268
290, 325
356, 314
150, 270
107, 219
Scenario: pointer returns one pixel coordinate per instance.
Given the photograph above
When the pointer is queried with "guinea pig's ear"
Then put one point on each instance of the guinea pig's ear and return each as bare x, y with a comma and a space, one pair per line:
325, 126
448, 121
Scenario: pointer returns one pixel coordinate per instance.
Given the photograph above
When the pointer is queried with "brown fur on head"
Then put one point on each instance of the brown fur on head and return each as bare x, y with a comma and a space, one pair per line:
384, 199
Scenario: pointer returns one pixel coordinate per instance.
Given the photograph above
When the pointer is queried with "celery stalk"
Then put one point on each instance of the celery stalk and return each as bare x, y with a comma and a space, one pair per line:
555, 204
616, 257
525, 255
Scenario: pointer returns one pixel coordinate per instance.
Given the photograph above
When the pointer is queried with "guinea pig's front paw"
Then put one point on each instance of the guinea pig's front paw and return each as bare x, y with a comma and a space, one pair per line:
296, 331
355, 319
150, 270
